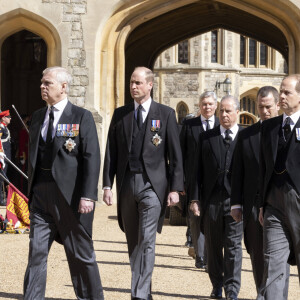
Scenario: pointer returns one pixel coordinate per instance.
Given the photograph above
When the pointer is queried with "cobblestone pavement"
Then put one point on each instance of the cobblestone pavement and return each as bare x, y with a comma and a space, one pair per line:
174, 277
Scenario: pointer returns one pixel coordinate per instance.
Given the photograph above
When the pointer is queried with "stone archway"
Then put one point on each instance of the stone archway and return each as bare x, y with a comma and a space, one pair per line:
138, 31
23, 58
22, 23
35, 44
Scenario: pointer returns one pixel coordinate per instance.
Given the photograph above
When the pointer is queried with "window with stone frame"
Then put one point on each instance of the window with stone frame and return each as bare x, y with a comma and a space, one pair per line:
246, 120
214, 46
263, 52
242, 50
183, 52
248, 104
182, 111
252, 52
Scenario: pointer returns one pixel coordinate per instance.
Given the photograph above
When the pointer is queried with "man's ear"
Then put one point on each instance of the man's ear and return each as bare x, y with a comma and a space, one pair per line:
64, 87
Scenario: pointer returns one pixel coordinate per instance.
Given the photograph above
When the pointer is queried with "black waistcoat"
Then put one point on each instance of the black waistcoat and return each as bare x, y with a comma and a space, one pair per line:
224, 175
44, 161
136, 163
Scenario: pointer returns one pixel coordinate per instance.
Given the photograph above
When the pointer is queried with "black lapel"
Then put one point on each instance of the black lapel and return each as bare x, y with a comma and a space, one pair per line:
197, 129
154, 114
34, 135
294, 141
214, 143
217, 122
65, 118
274, 137
128, 125
255, 140
233, 143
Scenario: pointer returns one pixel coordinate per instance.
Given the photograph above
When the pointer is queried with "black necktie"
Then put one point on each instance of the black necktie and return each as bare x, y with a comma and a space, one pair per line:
50, 126
227, 139
207, 124
287, 128
139, 116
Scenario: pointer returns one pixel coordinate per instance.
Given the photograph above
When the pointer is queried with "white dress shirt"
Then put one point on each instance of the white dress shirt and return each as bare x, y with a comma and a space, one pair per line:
58, 109
145, 108
294, 119
211, 121
232, 131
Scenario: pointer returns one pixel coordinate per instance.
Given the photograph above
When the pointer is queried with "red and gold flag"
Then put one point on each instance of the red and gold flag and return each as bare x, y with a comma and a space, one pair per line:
17, 206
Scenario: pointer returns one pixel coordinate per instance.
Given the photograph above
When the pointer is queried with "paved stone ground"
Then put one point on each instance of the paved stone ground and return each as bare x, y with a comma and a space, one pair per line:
175, 276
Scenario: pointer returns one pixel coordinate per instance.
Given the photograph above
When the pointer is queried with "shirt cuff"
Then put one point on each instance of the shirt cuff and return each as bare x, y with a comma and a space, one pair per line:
106, 188
236, 206
87, 199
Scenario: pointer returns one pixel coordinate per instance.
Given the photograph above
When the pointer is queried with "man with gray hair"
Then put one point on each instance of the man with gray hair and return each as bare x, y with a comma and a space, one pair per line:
189, 137
210, 194
64, 165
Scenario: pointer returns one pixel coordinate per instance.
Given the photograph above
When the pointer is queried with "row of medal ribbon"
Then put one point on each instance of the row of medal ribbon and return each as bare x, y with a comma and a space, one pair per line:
69, 130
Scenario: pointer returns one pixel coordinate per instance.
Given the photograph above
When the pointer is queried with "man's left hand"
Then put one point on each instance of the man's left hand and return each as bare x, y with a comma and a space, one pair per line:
173, 198
237, 214
85, 206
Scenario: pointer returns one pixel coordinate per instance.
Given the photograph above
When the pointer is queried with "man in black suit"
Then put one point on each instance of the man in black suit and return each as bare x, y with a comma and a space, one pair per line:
210, 194
143, 151
279, 190
64, 163
244, 189
189, 137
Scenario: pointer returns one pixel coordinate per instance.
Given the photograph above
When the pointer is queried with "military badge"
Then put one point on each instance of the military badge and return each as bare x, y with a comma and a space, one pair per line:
156, 140
155, 125
70, 144
298, 134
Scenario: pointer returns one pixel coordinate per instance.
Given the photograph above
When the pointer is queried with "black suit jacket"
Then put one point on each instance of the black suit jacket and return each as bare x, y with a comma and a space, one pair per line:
245, 170
268, 152
163, 163
76, 173
189, 138
208, 166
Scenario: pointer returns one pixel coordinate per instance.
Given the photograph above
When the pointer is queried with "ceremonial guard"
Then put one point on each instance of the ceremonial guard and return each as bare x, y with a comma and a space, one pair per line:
5, 119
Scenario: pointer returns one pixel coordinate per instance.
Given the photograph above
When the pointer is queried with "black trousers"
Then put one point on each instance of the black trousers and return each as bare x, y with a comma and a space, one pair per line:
223, 235
51, 215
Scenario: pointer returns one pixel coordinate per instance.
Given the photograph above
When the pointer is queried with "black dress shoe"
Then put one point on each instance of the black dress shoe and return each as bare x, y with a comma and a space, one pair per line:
199, 262
216, 293
231, 296
149, 297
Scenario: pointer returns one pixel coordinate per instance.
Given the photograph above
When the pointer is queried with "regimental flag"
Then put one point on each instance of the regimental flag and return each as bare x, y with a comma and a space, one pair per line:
17, 207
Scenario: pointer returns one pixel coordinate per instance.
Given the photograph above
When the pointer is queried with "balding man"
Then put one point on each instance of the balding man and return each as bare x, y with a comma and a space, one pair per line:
245, 172
211, 191
280, 189
143, 151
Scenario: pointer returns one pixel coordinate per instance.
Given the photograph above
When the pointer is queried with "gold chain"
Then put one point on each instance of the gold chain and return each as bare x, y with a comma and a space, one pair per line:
279, 173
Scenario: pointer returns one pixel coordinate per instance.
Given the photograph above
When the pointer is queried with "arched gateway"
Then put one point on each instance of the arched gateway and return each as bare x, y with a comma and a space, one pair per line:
29, 43
138, 31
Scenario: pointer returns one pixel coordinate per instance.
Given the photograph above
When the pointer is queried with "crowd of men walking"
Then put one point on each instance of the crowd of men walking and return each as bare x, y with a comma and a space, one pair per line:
237, 181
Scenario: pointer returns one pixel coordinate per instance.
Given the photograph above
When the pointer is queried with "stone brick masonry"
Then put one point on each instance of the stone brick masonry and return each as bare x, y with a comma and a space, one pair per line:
72, 10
